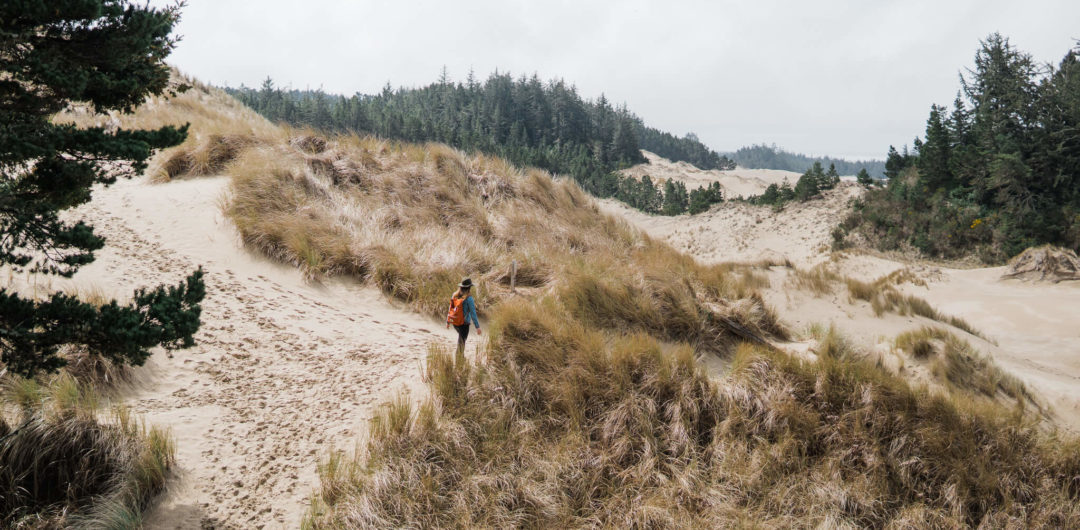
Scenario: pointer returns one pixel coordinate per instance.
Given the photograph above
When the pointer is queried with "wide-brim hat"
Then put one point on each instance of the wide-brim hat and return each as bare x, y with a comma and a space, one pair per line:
466, 283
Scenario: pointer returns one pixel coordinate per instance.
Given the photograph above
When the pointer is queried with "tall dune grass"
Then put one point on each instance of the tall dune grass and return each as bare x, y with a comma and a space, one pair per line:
69, 460
220, 127
415, 219
560, 426
65, 464
955, 362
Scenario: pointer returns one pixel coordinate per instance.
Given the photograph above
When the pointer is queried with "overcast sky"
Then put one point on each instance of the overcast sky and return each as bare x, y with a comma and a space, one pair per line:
843, 78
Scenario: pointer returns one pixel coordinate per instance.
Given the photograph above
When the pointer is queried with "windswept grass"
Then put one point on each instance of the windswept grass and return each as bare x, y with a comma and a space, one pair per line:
414, 219
956, 363
881, 293
559, 426
64, 464
885, 298
67, 463
220, 127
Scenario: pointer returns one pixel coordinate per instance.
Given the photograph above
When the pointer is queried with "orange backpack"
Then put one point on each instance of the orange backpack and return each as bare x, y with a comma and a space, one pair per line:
456, 316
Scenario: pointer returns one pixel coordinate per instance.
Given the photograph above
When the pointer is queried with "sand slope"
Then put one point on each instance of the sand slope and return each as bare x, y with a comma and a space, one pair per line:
284, 369
733, 231
1033, 324
738, 182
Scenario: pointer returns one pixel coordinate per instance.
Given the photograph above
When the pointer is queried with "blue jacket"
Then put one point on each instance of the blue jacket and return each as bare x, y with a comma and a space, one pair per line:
470, 312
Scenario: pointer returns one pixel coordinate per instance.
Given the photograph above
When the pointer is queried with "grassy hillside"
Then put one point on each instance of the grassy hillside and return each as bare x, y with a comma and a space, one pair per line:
586, 405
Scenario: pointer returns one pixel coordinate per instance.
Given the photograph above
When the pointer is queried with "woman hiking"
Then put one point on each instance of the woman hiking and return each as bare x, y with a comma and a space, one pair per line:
462, 311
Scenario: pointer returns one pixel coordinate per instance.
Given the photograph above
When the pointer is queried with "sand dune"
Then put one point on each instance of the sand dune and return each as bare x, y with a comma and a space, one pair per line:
1032, 325
733, 231
284, 369
738, 182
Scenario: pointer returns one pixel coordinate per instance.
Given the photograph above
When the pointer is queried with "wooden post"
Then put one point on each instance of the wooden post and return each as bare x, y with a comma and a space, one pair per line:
513, 276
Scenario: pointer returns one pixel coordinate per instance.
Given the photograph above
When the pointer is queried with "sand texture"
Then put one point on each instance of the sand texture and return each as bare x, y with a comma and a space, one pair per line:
732, 231
284, 369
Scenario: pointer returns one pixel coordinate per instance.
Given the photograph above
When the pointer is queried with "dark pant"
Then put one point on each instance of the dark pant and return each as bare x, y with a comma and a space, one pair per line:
462, 333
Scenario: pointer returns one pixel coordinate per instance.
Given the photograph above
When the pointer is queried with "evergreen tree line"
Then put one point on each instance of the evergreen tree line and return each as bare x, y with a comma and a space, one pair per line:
996, 173
529, 122
647, 196
686, 149
772, 157
810, 185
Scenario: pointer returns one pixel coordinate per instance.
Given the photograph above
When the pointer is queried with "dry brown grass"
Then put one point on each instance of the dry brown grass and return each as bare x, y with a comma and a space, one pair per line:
67, 463
414, 219
576, 416
220, 128
560, 426
882, 293
954, 362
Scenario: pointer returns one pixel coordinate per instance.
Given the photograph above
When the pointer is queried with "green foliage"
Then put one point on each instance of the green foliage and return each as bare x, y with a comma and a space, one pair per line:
809, 186
675, 198
772, 157
109, 54
65, 465
998, 174
864, 178
704, 197
528, 122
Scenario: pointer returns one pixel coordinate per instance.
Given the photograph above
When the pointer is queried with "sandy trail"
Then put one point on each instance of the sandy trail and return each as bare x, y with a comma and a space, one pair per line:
284, 369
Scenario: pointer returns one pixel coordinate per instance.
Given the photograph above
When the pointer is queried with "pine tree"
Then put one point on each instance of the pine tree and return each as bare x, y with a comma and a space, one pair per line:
811, 183
771, 195
864, 178
895, 162
109, 54
934, 165
832, 178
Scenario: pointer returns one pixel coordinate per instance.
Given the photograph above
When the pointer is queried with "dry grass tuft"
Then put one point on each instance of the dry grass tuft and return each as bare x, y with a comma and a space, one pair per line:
63, 465
220, 128
956, 363
819, 280
881, 293
884, 297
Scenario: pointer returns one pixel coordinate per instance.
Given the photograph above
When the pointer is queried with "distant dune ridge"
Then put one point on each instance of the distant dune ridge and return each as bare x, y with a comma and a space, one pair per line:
738, 182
